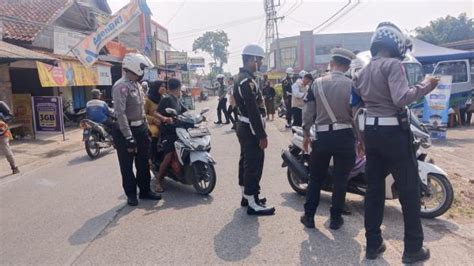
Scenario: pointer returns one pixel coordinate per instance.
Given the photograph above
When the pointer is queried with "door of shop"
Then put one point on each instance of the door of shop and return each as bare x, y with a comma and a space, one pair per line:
79, 97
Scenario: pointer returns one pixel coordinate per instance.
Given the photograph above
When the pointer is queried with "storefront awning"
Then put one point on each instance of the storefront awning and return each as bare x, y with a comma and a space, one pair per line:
11, 53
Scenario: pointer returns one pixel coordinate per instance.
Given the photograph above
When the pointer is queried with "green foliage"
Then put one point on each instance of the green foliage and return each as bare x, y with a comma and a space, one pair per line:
279, 93
448, 29
214, 43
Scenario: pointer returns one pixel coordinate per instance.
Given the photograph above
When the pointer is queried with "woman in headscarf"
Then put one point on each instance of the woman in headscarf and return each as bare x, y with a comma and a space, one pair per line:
155, 92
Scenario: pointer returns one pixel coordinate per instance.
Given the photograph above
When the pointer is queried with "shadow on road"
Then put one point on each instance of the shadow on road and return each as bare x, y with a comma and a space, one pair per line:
236, 240
85, 158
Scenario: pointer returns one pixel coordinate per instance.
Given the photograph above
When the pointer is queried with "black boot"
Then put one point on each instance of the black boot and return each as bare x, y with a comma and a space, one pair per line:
244, 202
336, 219
373, 253
413, 257
132, 201
150, 195
256, 209
308, 221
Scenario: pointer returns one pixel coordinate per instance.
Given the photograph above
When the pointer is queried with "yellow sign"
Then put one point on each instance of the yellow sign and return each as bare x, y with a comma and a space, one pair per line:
23, 112
275, 75
67, 73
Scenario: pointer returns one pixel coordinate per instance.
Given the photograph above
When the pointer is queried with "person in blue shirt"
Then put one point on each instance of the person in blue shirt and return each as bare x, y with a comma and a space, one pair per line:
98, 111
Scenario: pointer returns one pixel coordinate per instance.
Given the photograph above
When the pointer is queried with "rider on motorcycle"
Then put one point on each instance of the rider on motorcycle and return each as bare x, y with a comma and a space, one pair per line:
98, 111
168, 130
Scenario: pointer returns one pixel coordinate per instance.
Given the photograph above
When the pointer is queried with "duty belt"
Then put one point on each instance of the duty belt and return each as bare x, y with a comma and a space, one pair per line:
332, 127
381, 121
136, 123
246, 120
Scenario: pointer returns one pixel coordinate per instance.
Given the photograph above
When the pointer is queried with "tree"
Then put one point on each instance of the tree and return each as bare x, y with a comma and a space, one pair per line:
214, 43
448, 29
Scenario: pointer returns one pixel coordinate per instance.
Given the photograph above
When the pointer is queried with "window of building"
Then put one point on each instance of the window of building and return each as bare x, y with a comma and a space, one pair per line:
414, 73
288, 56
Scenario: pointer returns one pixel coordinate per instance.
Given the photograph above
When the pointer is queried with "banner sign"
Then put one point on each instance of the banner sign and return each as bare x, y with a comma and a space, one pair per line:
48, 114
23, 113
195, 62
176, 58
87, 51
436, 108
70, 73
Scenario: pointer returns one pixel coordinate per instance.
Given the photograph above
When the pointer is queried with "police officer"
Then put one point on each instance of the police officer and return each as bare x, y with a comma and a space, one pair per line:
329, 101
131, 138
222, 106
384, 89
251, 131
287, 89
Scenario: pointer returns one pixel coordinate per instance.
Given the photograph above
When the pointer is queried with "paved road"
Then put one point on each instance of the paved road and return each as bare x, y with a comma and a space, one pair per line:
71, 210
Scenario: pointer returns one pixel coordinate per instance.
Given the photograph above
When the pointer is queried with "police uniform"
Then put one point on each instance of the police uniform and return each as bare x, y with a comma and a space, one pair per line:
222, 106
287, 94
250, 130
334, 138
384, 89
129, 102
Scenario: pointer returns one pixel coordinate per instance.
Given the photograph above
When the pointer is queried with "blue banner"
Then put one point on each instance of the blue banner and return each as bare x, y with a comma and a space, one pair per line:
436, 108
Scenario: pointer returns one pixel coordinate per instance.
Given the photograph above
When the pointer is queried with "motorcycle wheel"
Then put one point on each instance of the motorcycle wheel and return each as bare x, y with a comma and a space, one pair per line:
92, 147
298, 185
204, 179
440, 199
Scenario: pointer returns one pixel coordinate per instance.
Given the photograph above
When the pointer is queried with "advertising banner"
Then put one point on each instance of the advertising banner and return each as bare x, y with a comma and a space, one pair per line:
176, 58
70, 73
23, 112
436, 108
48, 114
87, 51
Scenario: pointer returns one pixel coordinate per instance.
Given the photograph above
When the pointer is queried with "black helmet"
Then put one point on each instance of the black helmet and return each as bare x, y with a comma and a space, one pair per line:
391, 37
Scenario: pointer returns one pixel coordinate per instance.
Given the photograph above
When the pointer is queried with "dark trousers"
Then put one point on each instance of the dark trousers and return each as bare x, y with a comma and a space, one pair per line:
232, 114
297, 114
126, 159
251, 160
222, 108
288, 109
340, 145
389, 150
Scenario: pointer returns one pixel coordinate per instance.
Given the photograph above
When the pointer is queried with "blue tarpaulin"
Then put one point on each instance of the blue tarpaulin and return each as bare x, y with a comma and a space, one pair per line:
428, 53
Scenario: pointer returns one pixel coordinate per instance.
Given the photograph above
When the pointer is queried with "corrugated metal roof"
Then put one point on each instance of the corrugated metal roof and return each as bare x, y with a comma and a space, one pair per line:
10, 53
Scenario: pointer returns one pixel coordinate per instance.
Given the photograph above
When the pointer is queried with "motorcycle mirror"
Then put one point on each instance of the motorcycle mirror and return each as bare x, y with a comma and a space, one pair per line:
205, 110
171, 111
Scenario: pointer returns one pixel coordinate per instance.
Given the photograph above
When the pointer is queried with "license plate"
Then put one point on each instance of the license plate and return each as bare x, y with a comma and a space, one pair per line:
199, 132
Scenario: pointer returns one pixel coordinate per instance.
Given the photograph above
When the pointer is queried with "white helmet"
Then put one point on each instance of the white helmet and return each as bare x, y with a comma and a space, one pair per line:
290, 71
219, 76
302, 73
136, 63
253, 50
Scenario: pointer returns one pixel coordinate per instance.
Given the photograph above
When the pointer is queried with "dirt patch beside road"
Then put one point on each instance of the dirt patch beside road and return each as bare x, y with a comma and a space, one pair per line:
456, 156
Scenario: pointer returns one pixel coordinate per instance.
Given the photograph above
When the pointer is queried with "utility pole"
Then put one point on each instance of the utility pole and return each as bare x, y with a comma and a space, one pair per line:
271, 28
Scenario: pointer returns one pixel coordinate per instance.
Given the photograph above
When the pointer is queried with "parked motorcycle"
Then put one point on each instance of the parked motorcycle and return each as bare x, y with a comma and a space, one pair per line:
281, 109
71, 116
95, 138
192, 165
436, 190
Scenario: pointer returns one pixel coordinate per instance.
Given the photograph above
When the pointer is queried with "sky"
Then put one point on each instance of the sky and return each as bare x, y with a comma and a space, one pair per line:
244, 20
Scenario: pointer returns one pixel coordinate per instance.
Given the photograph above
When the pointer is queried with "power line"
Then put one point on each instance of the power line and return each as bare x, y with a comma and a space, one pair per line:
334, 15
216, 25
230, 25
175, 13
342, 15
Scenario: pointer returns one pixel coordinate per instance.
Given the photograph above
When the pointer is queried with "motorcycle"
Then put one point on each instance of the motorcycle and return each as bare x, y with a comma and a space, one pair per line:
281, 109
436, 190
71, 116
192, 163
95, 138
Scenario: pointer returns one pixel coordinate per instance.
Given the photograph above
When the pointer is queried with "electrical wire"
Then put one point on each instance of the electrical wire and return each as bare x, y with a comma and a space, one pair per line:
349, 2
175, 13
229, 25
340, 16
